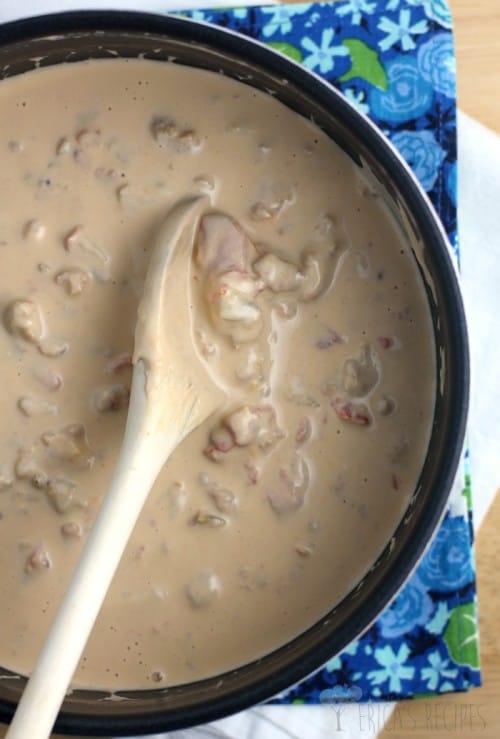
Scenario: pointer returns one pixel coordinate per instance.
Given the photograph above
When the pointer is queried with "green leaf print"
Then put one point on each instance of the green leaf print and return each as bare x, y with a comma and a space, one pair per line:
292, 51
461, 636
467, 492
365, 64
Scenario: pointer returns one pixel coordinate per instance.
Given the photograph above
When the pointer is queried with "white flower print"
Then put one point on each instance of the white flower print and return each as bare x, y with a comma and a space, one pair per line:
393, 668
401, 32
322, 56
356, 8
439, 668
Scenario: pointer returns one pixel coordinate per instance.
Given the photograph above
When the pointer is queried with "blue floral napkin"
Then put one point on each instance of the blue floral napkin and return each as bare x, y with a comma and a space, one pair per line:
395, 61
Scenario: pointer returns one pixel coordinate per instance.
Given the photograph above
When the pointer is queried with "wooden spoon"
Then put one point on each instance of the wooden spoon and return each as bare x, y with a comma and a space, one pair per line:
171, 394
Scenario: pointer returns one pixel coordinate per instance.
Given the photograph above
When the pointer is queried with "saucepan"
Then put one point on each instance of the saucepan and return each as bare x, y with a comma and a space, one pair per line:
71, 37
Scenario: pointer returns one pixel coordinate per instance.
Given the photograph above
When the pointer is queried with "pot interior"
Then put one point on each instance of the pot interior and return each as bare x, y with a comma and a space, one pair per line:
81, 36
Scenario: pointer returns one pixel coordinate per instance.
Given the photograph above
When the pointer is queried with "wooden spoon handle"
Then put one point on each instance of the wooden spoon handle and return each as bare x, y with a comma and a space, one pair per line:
141, 457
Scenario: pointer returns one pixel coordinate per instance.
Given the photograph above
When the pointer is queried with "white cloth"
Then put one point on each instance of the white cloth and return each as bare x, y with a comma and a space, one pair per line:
14, 9
479, 229
479, 234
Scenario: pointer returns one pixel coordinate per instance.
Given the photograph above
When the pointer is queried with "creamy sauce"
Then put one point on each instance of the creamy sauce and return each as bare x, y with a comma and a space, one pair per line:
307, 309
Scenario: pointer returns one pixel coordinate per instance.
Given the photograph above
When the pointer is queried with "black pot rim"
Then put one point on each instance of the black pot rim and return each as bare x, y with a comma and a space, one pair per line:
432, 231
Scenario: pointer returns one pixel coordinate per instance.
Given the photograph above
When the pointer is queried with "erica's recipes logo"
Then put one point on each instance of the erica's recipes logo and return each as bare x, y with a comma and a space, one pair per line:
430, 716
339, 697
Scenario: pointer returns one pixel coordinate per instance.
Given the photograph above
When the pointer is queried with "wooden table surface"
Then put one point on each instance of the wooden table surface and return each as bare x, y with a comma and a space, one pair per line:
477, 41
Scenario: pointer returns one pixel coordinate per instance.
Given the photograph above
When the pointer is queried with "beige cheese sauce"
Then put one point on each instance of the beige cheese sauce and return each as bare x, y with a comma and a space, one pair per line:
272, 510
